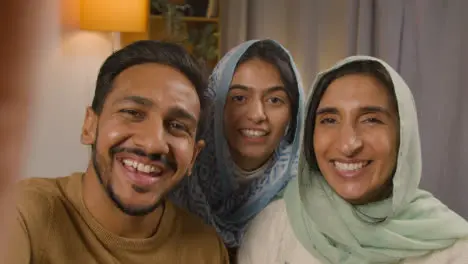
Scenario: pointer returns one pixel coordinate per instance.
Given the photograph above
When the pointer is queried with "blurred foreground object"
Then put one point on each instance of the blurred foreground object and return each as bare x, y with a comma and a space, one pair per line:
16, 50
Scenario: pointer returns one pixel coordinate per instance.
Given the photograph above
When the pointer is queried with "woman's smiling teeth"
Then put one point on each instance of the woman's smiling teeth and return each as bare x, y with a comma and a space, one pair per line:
350, 166
141, 167
253, 132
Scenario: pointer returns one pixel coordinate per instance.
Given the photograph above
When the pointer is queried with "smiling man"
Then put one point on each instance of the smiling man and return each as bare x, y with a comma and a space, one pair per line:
142, 129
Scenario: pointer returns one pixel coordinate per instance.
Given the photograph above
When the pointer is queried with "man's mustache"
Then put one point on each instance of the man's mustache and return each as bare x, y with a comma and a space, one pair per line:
139, 152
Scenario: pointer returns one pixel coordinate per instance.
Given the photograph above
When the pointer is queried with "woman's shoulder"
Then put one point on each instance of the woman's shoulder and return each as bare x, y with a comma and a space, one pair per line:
264, 235
455, 254
272, 219
275, 212
270, 222
270, 239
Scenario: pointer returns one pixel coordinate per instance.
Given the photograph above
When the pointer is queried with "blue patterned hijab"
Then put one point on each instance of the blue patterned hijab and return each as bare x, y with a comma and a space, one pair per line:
212, 191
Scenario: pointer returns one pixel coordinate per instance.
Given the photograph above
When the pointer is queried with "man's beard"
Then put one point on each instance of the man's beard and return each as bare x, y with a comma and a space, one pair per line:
126, 209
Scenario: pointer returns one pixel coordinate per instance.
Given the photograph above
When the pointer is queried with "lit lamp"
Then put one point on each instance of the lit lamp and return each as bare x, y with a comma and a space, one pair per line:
114, 15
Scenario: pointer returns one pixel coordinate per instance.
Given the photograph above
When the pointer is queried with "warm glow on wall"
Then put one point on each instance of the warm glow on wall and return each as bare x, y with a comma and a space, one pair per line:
114, 15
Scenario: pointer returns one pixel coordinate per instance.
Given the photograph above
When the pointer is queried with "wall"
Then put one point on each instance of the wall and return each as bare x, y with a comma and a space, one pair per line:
67, 66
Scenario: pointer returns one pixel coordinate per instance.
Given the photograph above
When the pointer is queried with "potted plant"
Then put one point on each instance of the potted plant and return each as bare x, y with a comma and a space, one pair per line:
204, 41
172, 13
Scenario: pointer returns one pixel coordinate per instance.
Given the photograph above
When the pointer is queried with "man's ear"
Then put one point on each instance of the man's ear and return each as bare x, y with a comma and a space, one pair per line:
88, 131
199, 145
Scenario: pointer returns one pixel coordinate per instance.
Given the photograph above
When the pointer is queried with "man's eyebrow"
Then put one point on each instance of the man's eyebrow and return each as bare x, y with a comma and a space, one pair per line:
136, 99
179, 112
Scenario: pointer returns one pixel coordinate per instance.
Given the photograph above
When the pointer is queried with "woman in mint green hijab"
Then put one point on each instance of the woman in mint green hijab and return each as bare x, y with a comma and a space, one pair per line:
356, 198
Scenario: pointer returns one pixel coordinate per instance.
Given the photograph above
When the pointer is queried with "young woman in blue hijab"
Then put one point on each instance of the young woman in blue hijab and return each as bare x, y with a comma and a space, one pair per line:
252, 138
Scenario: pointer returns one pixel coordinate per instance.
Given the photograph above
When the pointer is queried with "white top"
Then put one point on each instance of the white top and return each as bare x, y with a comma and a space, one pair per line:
270, 240
243, 176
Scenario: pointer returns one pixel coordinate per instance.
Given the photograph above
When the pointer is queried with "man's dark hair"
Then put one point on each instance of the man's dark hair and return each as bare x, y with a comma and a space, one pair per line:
369, 67
150, 51
272, 53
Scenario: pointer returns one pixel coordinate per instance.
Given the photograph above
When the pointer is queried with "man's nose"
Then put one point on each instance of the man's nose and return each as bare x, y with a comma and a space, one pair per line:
152, 137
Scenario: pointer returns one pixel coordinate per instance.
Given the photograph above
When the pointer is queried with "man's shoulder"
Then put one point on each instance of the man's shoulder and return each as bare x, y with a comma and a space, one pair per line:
200, 237
39, 187
36, 198
189, 224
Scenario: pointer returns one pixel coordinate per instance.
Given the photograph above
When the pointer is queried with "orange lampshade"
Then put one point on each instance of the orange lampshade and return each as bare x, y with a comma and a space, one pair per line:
114, 15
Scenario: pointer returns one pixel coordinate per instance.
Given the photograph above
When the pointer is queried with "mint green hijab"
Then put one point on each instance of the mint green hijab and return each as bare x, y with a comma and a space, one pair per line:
415, 222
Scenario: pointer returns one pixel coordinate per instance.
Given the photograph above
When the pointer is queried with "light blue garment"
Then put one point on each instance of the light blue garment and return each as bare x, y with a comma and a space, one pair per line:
212, 191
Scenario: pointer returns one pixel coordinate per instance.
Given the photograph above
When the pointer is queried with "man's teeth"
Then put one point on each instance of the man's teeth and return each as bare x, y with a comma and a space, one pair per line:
141, 167
349, 166
253, 133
